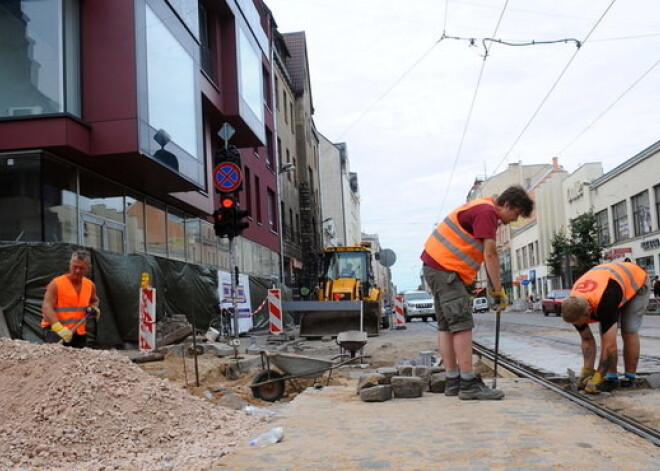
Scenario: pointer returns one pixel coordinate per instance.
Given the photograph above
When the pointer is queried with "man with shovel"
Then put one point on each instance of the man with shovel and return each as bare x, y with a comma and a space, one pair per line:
69, 301
452, 257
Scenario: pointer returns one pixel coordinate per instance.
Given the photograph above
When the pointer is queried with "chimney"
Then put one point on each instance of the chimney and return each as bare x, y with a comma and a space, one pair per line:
555, 163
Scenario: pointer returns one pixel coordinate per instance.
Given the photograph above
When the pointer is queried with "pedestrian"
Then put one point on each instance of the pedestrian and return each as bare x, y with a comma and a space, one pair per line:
656, 287
613, 294
452, 257
67, 300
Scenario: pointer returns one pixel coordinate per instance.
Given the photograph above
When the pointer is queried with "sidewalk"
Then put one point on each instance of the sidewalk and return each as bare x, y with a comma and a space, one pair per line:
531, 428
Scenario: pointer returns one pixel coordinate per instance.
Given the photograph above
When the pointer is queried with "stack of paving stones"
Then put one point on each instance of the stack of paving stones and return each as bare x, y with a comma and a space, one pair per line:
400, 382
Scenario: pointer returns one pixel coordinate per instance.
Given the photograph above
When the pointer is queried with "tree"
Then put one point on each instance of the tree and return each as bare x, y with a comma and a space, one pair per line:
574, 254
556, 258
585, 249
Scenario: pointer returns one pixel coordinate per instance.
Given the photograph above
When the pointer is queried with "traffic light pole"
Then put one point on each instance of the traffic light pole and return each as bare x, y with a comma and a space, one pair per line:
234, 284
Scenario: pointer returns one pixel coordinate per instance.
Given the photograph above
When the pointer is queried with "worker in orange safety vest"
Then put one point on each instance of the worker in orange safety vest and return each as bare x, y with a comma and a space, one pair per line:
68, 299
452, 256
613, 294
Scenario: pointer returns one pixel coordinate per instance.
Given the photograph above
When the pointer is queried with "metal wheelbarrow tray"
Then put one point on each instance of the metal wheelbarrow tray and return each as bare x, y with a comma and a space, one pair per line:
269, 384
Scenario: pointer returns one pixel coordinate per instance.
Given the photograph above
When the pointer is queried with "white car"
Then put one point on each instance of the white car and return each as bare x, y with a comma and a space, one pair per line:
418, 304
480, 305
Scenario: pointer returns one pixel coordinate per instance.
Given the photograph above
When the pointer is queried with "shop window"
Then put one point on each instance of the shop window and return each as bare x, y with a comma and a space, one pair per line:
176, 235
156, 228
20, 197
193, 240
134, 217
59, 202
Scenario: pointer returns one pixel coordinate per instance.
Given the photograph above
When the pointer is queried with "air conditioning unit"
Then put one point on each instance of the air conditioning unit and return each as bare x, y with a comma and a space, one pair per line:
24, 110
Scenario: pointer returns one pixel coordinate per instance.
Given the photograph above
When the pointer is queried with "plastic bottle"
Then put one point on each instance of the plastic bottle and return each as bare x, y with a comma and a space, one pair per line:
274, 435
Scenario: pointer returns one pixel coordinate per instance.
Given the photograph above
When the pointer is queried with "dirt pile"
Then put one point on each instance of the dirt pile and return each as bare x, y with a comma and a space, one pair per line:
62, 408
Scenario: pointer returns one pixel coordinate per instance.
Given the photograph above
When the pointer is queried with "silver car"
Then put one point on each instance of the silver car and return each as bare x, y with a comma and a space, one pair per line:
418, 304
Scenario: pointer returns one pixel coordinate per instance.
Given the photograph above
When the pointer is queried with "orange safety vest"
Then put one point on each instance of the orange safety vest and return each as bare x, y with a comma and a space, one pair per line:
71, 306
456, 249
592, 284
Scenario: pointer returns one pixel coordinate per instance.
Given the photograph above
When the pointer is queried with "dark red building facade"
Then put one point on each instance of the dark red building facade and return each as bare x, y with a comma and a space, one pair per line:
109, 120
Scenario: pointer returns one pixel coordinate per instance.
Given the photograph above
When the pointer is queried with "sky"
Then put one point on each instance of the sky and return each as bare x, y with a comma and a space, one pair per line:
425, 109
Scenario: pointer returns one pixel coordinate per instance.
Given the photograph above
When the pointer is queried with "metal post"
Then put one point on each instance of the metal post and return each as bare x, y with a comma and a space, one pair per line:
234, 281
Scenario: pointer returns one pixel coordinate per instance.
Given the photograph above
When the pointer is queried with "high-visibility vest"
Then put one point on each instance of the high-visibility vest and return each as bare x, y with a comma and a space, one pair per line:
456, 249
592, 284
71, 306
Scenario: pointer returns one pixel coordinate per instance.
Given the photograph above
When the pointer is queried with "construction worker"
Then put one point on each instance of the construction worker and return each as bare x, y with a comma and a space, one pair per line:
452, 257
613, 294
68, 299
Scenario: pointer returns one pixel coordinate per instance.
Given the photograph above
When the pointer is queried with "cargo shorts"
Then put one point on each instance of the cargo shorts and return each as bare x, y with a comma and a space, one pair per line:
633, 311
451, 299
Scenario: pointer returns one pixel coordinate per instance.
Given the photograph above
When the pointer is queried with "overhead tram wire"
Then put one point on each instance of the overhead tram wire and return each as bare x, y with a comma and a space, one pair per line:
396, 82
552, 88
606, 110
469, 117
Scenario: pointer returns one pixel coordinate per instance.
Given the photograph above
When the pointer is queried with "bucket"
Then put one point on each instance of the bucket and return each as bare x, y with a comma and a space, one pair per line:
212, 334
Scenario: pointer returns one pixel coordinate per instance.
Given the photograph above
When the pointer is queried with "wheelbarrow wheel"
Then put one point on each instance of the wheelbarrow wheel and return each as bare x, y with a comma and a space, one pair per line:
272, 390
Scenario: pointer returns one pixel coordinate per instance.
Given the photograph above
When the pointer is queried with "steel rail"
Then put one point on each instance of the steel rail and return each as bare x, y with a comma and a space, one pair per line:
627, 423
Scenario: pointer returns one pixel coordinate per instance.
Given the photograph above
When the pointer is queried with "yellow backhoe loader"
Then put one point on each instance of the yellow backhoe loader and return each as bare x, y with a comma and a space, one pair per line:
347, 298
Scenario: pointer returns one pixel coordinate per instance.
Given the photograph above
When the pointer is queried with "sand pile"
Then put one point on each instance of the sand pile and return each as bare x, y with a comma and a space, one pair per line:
62, 408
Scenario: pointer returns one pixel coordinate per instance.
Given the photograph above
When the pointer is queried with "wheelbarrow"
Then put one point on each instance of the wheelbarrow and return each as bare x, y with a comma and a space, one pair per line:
269, 384
351, 341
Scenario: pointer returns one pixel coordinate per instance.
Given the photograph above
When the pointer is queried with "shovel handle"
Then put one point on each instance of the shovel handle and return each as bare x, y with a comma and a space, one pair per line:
78, 324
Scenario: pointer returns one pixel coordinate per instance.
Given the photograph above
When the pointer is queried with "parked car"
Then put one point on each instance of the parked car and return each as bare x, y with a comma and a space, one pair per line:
418, 304
552, 302
480, 305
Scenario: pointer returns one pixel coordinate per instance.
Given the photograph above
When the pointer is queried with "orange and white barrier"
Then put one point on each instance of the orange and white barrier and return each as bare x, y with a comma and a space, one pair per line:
147, 316
399, 317
275, 325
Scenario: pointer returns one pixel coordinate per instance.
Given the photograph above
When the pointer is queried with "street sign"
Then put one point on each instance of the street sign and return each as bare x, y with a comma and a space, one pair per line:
227, 176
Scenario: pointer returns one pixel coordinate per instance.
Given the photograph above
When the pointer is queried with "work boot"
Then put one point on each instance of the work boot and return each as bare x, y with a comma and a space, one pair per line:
475, 389
608, 385
630, 383
452, 386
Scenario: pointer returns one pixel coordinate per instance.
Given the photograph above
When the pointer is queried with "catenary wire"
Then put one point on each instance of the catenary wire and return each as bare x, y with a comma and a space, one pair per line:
469, 116
606, 110
552, 88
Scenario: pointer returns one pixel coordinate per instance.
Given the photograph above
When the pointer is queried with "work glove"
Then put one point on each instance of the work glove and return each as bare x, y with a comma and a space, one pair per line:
592, 384
62, 331
500, 299
94, 312
585, 376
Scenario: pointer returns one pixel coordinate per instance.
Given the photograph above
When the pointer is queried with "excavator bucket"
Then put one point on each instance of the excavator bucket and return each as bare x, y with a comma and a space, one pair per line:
330, 318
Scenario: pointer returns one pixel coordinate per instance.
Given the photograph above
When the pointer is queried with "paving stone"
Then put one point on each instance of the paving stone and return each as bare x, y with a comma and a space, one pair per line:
379, 393
370, 380
407, 386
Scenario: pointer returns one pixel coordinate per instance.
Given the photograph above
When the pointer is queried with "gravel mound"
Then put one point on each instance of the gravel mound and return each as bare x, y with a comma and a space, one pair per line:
62, 408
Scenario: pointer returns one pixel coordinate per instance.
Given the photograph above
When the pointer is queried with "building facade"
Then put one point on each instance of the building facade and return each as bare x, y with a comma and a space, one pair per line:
109, 120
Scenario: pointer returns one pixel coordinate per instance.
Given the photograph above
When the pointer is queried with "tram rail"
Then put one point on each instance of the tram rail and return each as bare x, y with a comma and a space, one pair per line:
520, 370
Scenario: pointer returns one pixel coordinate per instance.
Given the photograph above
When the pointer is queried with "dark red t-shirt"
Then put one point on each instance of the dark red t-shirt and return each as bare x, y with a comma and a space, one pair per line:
480, 221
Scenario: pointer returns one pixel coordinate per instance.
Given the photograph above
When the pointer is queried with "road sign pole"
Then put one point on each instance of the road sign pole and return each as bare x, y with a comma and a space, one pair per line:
234, 282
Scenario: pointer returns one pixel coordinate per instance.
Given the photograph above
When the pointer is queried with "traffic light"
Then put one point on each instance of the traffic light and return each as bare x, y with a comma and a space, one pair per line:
228, 219
240, 225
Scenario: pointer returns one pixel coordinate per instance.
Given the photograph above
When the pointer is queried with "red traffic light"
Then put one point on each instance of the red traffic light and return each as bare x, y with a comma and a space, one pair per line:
227, 202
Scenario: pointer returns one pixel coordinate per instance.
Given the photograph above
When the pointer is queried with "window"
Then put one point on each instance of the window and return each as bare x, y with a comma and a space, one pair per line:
176, 235
101, 205
620, 221
272, 211
135, 230
257, 194
193, 240
60, 202
205, 42
250, 75
156, 228
532, 255
641, 213
277, 93
40, 57
293, 124
656, 191
603, 227
20, 195
284, 102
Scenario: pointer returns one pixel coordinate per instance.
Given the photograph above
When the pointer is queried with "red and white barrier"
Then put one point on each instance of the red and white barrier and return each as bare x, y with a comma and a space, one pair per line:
275, 325
399, 317
147, 317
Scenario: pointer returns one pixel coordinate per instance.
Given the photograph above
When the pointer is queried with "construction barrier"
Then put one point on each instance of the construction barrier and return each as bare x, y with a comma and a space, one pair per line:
399, 317
275, 325
147, 316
